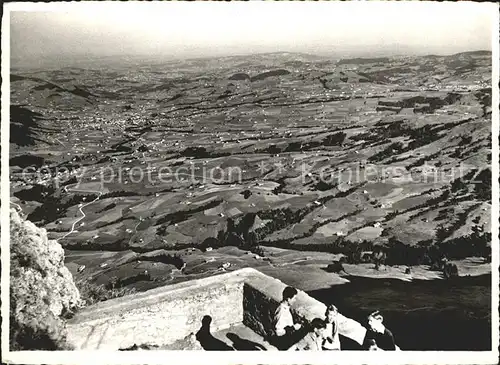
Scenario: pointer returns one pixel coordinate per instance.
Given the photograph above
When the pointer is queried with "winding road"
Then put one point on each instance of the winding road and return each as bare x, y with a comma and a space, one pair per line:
134, 232
80, 208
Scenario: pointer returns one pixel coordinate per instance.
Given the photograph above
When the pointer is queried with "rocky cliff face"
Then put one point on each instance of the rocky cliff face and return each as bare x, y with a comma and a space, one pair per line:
41, 288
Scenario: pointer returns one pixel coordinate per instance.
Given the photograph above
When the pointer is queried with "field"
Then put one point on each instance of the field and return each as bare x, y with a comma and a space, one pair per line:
157, 173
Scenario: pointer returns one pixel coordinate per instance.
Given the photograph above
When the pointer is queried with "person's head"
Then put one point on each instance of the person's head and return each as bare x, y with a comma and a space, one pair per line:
318, 326
375, 322
331, 313
289, 294
206, 321
372, 345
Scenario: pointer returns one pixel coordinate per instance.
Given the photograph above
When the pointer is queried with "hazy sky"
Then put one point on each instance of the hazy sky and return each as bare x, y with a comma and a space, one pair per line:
193, 29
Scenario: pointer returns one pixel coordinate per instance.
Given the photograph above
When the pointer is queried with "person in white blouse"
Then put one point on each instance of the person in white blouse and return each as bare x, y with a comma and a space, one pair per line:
285, 328
332, 340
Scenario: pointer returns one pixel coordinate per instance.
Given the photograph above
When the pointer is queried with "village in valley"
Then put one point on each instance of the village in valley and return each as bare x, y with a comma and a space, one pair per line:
314, 171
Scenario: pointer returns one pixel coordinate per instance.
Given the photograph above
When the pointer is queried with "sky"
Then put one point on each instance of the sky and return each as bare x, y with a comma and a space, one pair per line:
200, 29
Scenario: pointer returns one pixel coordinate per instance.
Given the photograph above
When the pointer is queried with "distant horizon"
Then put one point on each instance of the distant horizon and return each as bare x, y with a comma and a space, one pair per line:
69, 32
164, 58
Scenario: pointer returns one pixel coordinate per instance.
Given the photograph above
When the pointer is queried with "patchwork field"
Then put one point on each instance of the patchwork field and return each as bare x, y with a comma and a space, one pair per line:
159, 173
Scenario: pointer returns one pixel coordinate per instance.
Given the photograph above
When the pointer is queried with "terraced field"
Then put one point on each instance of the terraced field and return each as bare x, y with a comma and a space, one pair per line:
159, 173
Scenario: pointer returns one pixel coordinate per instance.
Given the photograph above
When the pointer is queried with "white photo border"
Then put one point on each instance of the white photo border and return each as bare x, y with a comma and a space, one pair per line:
234, 357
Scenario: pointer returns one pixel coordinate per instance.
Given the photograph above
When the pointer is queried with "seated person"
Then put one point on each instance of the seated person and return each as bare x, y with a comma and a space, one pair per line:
332, 341
313, 341
372, 345
377, 332
286, 331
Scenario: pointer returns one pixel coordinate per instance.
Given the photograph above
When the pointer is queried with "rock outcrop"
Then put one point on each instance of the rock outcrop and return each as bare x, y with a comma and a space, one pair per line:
41, 288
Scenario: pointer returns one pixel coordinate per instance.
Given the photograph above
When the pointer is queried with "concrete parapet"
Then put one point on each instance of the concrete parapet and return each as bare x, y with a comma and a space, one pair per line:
164, 315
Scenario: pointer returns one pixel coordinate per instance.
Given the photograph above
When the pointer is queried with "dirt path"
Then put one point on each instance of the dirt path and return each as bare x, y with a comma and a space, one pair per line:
293, 262
83, 254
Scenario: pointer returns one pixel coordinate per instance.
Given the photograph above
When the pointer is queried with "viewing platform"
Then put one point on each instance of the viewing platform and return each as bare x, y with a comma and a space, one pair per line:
233, 311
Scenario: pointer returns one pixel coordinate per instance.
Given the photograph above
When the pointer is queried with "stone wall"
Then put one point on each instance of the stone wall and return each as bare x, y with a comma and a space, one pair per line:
162, 316
258, 310
260, 301
159, 316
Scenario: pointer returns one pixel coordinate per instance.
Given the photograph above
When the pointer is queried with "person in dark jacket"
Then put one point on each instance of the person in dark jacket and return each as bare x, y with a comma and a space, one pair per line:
379, 334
